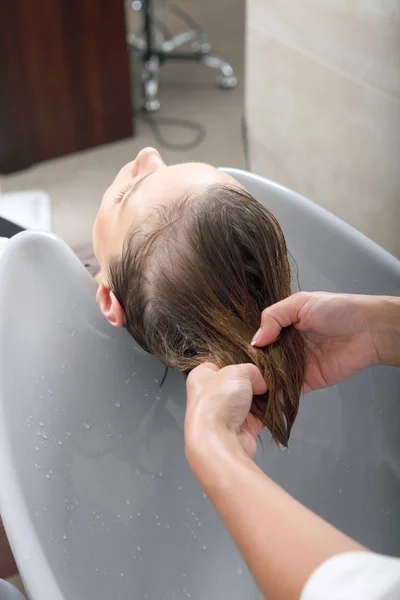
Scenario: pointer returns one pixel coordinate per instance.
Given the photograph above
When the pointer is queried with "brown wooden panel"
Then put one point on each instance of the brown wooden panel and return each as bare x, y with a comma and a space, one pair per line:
65, 82
7, 562
15, 118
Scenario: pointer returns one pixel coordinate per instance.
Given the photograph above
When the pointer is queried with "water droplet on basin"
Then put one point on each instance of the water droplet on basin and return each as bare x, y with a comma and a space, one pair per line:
86, 425
44, 436
204, 547
64, 537
59, 442
117, 404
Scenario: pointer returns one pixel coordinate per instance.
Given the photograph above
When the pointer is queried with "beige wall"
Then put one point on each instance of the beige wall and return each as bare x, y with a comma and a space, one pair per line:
323, 105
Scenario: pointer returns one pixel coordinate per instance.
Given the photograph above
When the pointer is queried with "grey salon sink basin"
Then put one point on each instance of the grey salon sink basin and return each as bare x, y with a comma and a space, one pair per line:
96, 494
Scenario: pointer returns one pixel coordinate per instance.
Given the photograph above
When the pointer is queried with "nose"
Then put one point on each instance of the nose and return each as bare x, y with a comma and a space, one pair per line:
149, 160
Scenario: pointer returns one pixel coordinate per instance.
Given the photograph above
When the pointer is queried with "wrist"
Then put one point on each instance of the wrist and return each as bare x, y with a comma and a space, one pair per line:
211, 456
384, 321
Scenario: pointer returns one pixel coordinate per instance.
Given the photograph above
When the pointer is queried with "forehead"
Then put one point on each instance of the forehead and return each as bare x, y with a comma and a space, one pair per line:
169, 184
179, 178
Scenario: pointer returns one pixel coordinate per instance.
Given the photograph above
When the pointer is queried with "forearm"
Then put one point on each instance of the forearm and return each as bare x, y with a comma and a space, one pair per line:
281, 541
384, 319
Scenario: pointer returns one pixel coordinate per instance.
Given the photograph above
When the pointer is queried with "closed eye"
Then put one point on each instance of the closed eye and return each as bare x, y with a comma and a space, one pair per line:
122, 192
128, 187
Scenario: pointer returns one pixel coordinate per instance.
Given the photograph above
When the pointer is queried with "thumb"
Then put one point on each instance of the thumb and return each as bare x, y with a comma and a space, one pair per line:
279, 315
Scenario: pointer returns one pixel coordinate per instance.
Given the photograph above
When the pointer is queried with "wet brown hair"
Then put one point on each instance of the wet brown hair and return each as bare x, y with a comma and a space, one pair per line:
194, 287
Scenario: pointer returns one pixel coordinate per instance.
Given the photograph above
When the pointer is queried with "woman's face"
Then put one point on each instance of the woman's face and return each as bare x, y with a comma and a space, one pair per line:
139, 187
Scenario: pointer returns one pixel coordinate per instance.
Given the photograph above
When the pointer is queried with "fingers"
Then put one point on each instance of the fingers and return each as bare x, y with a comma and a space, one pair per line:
247, 372
279, 315
202, 373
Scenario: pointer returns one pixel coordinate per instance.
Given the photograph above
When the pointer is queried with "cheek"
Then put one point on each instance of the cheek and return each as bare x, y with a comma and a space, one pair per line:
101, 233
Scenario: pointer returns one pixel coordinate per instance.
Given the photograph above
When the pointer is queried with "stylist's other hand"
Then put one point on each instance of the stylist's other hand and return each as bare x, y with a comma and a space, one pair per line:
343, 333
217, 410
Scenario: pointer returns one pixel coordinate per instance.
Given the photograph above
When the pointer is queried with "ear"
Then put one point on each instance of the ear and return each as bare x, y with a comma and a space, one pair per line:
109, 305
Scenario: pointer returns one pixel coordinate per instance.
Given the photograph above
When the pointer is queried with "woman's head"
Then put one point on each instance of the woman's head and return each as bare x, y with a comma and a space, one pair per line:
139, 188
196, 266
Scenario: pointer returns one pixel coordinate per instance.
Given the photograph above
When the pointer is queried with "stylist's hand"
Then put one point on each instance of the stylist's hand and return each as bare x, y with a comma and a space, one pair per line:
343, 333
217, 409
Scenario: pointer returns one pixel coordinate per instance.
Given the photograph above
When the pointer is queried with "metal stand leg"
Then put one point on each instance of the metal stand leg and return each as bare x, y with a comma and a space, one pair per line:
227, 78
150, 79
154, 50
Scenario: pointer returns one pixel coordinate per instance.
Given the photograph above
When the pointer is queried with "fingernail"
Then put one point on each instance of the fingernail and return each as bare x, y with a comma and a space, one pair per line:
256, 337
